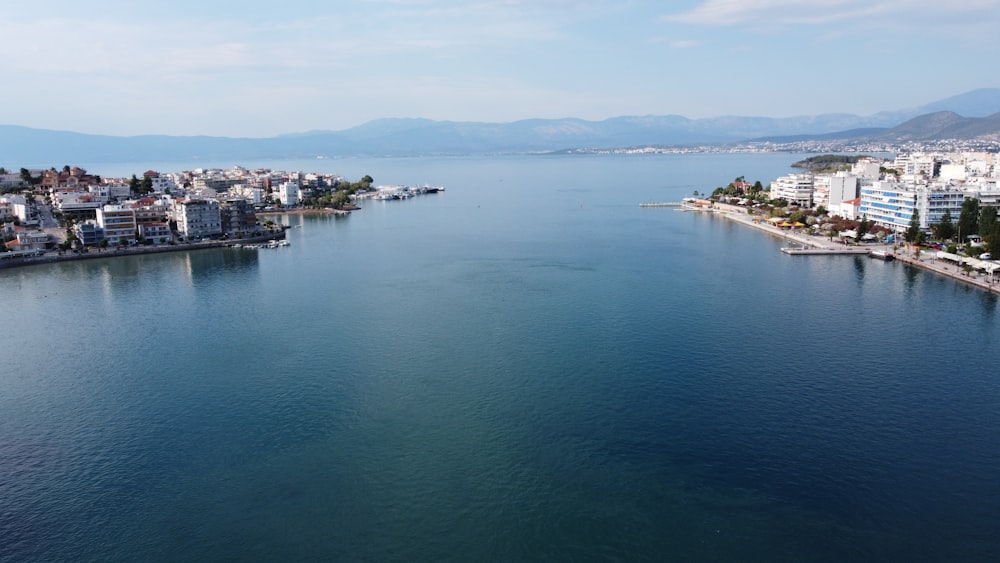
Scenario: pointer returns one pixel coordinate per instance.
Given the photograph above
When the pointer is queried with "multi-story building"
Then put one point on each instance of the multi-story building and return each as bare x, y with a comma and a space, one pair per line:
254, 195
934, 201
76, 204
12, 206
869, 168
288, 193
198, 218
10, 179
917, 165
892, 204
796, 189
834, 189
821, 191
843, 187
88, 233
160, 183
889, 204
118, 222
238, 217
150, 210
157, 233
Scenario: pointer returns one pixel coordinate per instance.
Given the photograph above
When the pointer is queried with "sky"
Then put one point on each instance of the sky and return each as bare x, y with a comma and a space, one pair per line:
259, 69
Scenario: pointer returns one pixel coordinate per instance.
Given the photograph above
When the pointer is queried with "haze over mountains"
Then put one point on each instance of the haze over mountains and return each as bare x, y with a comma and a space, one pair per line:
972, 115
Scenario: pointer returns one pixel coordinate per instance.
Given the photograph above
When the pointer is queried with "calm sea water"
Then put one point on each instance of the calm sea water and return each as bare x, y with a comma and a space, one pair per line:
527, 366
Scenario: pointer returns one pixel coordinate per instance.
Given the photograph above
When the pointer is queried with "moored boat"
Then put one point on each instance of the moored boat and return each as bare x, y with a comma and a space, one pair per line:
881, 255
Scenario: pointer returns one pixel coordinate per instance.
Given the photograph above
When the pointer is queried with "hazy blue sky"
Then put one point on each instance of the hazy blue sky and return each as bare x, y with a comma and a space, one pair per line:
252, 68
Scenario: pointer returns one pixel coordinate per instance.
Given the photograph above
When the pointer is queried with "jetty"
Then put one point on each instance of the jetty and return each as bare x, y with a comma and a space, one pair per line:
818, 251
661, 204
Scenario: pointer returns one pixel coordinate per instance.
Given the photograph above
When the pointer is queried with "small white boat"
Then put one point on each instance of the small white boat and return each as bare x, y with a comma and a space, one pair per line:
881, 255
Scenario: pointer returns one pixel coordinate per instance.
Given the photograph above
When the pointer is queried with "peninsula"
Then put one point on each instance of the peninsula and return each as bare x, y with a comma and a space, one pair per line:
51, 215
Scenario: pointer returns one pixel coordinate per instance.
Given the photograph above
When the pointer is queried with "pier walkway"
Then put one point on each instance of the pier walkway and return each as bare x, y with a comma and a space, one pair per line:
814, 245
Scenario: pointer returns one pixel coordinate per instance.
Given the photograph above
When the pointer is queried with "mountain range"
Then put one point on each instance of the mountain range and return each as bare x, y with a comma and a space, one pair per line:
970, 115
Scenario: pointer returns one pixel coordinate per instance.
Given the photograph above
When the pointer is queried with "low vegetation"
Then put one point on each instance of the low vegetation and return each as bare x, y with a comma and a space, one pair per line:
828, 163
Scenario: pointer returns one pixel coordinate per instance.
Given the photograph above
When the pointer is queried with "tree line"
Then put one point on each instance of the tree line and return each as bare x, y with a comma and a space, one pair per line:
973, 220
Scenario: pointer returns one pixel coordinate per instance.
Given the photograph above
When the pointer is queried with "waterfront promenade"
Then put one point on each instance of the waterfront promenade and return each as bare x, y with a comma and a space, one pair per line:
68, 256
907, 254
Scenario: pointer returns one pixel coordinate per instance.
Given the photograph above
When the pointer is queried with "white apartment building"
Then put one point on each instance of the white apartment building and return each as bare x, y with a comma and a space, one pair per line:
249, 193
867, 168
163, 184
796, 189
987, 192
14, 205
288, 193
953, 172
118, 222
915, 165
834, 189
10, 179
107, 192
197, 218
78, 204
892, 204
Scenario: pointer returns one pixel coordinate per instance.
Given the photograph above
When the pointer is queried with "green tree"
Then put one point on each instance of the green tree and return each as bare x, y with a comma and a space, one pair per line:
987, 218
944, 229
968, 220
993, 243
863, 227
913, 231
340, 199
134, 185
146, 185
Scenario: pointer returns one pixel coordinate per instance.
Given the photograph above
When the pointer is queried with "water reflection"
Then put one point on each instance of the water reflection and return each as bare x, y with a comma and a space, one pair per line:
910, 274
989, 305
201, 265
860, 264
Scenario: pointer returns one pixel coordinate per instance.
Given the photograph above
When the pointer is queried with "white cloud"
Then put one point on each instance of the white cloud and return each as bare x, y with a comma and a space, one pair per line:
684, 43
817, 12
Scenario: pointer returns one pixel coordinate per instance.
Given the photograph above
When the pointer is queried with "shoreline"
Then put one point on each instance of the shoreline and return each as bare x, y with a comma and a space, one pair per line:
306, 211
906, 254
136, 251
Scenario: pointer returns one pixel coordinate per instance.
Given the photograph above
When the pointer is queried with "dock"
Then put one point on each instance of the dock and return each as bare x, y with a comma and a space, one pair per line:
661, 204
828, 251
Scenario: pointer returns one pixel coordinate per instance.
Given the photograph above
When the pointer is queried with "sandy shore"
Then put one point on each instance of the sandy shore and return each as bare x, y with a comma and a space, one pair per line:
906, 254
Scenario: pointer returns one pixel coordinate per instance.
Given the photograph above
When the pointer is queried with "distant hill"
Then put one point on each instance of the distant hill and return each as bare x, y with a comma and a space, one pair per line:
23, 146
983, 102
942, 125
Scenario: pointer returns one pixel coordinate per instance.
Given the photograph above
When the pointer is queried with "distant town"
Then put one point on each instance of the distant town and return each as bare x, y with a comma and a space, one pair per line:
938, 209
71, 211
860, 146
943, 199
